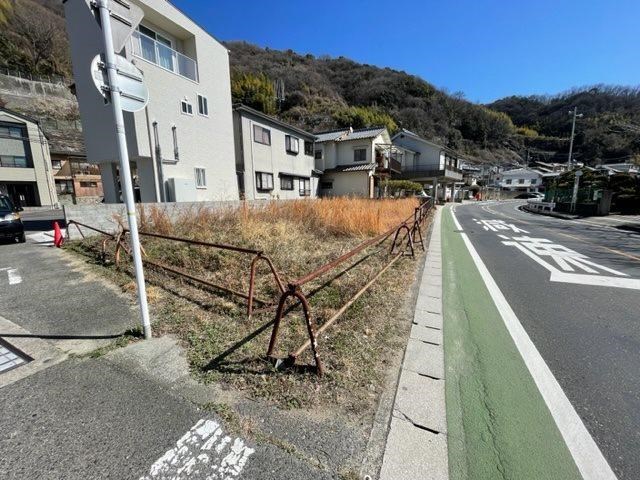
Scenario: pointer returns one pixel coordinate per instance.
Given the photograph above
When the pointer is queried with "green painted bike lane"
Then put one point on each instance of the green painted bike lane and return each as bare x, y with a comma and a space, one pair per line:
498, 424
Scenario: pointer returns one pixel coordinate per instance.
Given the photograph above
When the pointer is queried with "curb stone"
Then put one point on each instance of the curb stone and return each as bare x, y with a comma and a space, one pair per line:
417, 441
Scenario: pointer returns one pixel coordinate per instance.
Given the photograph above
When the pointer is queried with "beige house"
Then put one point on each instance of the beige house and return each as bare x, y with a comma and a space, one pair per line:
354, 162
274, 160
25, 162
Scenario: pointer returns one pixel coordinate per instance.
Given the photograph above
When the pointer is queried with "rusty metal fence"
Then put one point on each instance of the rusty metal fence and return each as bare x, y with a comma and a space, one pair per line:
406, 236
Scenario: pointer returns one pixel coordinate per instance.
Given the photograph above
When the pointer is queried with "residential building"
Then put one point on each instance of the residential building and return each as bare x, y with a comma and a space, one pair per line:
519, 180
354, 162
25, 164
431, 164
273, 159
180, 145
613, 168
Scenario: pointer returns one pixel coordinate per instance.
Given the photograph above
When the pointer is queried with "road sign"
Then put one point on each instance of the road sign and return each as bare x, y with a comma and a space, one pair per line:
133, 92
125, 17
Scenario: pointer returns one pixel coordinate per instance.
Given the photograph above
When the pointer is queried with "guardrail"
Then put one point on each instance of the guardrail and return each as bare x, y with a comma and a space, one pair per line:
406, 235
411, 228
119, 239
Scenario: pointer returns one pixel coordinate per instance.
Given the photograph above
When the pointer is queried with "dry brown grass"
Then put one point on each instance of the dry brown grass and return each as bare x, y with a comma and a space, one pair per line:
225, 346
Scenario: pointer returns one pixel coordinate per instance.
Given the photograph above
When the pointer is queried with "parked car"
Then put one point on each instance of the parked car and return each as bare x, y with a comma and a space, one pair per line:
10, 223
532, 195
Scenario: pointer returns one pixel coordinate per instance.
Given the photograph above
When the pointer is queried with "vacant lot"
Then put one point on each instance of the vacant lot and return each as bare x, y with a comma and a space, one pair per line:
225, 346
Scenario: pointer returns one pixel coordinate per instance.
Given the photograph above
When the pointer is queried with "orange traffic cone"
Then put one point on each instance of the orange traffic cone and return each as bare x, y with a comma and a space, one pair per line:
58, 239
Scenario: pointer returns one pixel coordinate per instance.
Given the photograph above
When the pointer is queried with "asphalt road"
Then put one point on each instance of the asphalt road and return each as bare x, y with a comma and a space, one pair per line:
587, 334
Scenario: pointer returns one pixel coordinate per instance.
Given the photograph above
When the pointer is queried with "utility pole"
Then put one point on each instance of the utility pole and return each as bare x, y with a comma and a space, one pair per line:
575, 114
123, 154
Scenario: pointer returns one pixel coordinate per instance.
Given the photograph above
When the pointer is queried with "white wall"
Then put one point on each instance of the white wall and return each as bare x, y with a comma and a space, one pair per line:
347, 183
430, 156
202, 141
519, 174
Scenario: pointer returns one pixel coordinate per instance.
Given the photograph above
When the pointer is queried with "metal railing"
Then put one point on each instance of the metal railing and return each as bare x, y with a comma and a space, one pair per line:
411, 227
405, 236
163, 56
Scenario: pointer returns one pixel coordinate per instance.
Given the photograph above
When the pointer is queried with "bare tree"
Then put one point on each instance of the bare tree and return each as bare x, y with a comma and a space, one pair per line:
34, 31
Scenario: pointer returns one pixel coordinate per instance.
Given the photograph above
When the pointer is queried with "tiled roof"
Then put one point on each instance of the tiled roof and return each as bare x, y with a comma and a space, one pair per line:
333, 135
361, 167
346, 134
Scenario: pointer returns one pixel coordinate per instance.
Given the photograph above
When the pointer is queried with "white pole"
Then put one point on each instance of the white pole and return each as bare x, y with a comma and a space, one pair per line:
125, 170
573, 130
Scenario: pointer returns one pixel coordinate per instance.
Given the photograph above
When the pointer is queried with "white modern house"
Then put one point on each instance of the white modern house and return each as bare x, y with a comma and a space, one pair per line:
519, 180
430, 164
274, 160
354, 162
25, 162
180, 145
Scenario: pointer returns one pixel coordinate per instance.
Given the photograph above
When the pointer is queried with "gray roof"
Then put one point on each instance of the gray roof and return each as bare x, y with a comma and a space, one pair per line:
361, 167
345, 134
268, 118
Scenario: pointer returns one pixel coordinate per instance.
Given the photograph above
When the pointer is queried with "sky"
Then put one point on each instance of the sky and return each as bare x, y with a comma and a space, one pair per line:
487, 49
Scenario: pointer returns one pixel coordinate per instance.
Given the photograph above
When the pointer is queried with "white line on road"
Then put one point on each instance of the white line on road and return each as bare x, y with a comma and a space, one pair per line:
585, 452
203, 450
13, 275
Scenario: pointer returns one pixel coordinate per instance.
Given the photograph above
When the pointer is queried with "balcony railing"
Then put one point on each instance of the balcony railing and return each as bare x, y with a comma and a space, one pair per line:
165, 57
426, 172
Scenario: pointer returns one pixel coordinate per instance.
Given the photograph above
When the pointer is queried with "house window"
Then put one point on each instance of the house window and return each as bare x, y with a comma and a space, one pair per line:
13, 132
201, 177
262, 135
520, 181
264, 181
305, 187
308, 148
163, 54
88, 184
360, 155
318, 155
203, 106
13, 161
57, 164
508, 181
186, 107
286, 182
64, 186
291, 144
326, 185
534, 181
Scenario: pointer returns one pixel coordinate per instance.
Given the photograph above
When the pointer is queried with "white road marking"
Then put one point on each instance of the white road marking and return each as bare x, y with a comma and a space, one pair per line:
585, 452
455, 221
203, 450
12, 275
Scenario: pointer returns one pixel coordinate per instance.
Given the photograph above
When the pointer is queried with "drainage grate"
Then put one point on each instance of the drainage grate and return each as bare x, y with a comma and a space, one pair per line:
10, 357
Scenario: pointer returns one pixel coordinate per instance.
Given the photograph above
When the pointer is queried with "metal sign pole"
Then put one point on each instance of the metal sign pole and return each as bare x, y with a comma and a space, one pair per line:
125, 170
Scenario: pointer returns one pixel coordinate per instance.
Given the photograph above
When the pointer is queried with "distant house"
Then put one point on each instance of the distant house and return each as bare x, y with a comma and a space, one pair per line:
273, 159
612, 168
25, 162
430, 164
519, 180
354, 162
181, 145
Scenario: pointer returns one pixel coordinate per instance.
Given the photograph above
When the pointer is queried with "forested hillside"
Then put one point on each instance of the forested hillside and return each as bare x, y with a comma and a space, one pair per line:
609, 129
318, 93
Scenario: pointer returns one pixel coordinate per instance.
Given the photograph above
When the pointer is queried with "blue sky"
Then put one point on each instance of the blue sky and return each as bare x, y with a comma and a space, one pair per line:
487, 49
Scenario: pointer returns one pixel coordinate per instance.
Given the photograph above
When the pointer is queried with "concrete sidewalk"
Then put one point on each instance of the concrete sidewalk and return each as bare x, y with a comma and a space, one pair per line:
417, 441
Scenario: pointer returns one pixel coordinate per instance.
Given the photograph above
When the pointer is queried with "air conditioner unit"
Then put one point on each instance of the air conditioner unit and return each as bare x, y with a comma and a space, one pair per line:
181, 190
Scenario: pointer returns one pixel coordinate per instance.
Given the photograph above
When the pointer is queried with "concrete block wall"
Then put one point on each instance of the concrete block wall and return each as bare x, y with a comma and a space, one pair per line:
105, 216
